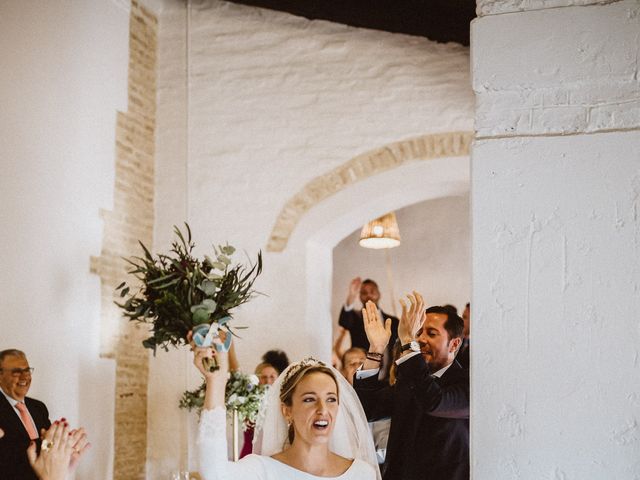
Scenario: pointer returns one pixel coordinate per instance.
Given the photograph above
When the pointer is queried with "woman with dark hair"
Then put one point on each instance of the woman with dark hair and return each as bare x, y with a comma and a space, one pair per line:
273, 364
310, 421
277, 359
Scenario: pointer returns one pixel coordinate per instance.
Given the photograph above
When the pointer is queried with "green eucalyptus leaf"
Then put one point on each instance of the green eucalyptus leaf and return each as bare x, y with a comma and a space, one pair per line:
208, 287
224, 259
218, 265
201, 315
210, 305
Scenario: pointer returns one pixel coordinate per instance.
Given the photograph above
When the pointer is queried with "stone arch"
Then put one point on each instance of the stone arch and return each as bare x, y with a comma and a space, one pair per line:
426, 147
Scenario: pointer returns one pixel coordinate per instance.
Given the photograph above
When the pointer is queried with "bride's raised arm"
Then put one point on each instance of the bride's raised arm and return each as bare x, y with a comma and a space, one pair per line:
212, 437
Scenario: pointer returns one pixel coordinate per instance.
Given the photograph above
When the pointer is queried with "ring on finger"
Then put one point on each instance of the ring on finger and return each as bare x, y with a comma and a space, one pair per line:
46, 445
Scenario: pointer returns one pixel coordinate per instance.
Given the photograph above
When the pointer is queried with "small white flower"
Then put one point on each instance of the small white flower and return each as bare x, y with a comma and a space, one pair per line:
254, 379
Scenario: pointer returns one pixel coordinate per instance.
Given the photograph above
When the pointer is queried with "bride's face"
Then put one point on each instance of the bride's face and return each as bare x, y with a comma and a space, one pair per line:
314, 408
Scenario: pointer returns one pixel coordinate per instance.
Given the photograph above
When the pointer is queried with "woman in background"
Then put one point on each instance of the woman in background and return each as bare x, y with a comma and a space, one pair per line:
273, 364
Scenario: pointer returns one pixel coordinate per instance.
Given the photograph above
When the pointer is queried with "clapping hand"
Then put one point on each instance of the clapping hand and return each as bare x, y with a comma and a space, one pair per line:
412, 318
61, 450
80, 444
377, 334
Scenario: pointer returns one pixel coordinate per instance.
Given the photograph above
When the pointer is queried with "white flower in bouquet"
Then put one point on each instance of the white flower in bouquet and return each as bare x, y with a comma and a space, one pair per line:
243, 394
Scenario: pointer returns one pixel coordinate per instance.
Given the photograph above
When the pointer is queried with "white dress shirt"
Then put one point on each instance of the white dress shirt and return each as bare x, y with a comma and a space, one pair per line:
361, 374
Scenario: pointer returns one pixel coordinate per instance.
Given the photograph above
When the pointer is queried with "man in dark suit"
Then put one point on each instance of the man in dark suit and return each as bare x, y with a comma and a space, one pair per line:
429, 402
21, 417
350, 320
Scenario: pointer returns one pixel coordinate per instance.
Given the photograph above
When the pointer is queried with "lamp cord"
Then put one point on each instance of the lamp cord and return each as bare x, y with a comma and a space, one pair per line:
392, 290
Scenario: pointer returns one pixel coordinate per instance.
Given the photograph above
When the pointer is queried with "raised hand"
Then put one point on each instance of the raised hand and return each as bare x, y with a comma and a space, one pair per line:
377, 334
200, 353
216, 380
412, 317
354, 290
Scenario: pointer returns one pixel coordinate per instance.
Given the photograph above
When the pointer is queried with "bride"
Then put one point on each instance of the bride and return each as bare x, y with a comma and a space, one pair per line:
310, 426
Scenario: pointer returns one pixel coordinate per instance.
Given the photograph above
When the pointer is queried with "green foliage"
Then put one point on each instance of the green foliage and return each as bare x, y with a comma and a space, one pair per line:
243, 393
179, 291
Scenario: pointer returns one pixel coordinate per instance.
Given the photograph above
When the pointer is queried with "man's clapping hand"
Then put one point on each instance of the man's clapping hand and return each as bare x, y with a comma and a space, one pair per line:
377, 333
412, 318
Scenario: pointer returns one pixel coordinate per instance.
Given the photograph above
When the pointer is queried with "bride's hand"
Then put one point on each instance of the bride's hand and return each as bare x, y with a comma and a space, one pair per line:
215, 381
201, 353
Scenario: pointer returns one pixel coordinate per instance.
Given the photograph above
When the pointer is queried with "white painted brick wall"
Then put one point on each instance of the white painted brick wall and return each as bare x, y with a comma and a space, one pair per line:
556, 242
495, 7
541, 72
279, 100
556, 296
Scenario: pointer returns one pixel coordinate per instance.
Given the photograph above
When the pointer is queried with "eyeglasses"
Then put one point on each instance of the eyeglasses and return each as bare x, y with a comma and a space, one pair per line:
16, 372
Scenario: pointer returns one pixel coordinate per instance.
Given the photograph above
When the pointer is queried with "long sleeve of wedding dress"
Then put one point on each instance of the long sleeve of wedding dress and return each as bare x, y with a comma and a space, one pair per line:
212, 450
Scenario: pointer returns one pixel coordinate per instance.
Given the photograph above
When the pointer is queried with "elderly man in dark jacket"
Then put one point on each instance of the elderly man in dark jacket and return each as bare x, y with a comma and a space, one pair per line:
21, 417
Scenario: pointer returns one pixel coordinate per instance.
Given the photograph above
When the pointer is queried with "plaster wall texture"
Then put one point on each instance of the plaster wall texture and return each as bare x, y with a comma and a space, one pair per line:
57, 125
434, 257
556, 244
275, 101
580, 75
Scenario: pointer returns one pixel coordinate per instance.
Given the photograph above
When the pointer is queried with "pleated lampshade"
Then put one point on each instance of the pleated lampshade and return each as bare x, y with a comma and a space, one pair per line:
382, 232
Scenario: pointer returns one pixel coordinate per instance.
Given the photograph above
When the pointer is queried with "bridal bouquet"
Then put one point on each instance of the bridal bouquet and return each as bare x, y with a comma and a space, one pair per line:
179, 293
243, 394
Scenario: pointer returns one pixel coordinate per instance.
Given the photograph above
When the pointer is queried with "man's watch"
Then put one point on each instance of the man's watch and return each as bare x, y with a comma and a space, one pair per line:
412, 345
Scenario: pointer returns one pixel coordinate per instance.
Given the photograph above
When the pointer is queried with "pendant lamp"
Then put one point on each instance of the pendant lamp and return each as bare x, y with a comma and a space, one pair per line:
382, 232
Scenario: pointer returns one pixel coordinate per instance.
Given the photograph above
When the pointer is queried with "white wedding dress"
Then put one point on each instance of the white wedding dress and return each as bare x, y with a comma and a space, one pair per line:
214, 465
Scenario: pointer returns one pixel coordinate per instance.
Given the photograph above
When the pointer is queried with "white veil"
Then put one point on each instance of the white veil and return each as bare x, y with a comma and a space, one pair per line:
351, 437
